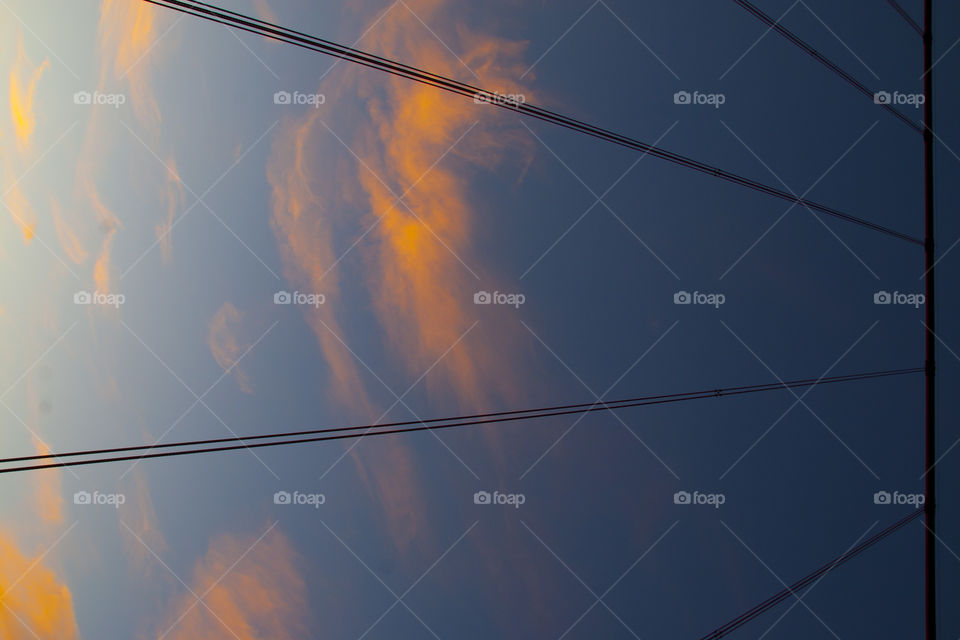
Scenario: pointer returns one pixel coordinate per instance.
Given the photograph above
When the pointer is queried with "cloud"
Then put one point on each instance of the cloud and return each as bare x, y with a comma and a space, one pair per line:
173, 194
46, 508
303, 225
253, 589
101, 268
20, 210
144, 524
128, 34
68, 239
264, 11
47, 492
337, 221
35, 603
423, 142
23, 83
24, 77
129, 43
225, 346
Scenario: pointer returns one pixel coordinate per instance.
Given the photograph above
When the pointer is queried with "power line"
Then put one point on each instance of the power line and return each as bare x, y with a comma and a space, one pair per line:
275, 32
799, 585
819, 57
99, 456
906, 16
266, 29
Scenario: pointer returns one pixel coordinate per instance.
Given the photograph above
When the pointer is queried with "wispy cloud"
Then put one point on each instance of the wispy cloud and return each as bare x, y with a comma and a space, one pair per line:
23, 82
69, 241
223, 338
377, 191
250, 589
141, 518
423, 143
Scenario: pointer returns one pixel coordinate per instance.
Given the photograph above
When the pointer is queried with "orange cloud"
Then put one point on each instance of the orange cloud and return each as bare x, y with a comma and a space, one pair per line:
34, 603
302, 222
128, 44
225, 345
101, 268
422, 284
21, 211
107, 223
128, 35
261, 596
264, 11
23, 83
408, 255
34, 600
48, 493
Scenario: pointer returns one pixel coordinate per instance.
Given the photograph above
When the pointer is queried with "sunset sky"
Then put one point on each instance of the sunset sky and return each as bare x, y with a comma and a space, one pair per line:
162, 196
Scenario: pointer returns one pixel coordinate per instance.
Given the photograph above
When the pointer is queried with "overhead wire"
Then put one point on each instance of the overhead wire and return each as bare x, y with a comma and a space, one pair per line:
829, 64
193, 447
270, 30
806, 581
906, 16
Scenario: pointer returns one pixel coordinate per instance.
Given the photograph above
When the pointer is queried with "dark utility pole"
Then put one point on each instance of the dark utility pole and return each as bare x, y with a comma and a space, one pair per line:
930, 505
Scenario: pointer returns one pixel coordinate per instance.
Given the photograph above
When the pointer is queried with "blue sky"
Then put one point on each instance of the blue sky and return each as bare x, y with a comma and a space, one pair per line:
186, 189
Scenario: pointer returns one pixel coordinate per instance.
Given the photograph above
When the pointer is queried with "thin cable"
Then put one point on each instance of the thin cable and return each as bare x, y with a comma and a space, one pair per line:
804, 582
336, 433
906, 16
610, 404
296, 38
819, 57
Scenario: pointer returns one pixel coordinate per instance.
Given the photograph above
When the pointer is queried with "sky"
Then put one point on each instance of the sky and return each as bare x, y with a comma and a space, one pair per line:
207, 234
